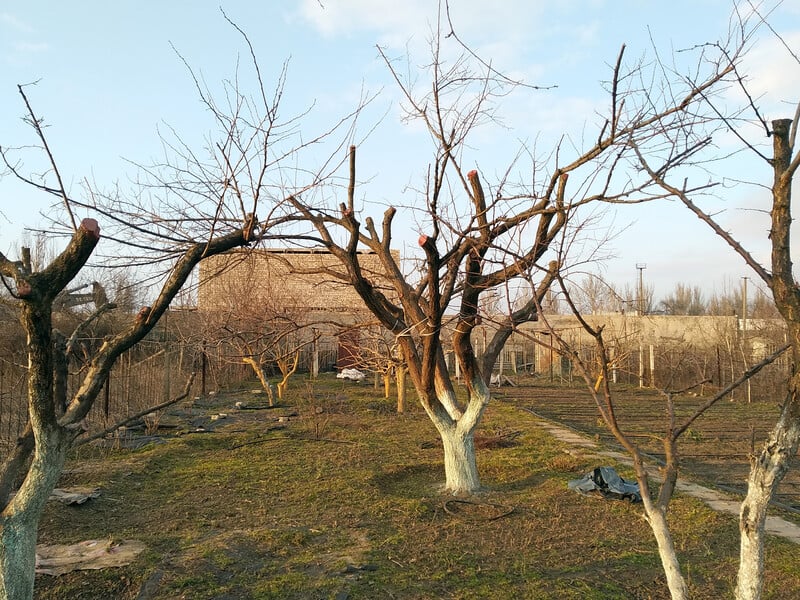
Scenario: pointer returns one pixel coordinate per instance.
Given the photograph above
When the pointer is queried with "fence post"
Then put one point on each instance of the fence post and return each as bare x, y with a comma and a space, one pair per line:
107, 397
203, 366
315, 359
652, 366
641, 364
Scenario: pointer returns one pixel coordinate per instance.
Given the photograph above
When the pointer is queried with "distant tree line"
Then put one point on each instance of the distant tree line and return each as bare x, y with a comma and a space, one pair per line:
593, 295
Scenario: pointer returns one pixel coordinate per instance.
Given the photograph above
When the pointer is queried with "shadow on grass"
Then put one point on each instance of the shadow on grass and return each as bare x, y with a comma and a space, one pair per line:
410, 481
518, 485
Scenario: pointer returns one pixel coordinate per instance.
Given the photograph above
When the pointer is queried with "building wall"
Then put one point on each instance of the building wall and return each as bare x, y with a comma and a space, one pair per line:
652, 350
288, 279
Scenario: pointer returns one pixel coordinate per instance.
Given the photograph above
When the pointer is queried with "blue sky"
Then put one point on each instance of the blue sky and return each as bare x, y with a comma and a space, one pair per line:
109, 79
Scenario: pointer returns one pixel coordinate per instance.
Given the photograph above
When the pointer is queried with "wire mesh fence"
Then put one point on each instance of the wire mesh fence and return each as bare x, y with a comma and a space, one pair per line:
704, 354
151, 373
155, 371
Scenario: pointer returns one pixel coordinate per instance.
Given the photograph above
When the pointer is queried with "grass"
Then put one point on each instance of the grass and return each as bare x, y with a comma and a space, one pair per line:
344, 502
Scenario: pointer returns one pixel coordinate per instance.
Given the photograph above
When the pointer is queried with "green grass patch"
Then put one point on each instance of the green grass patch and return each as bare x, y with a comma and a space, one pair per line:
341, 500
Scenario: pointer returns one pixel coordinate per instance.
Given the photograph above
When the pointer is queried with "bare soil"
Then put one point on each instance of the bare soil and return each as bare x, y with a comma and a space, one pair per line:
714, 451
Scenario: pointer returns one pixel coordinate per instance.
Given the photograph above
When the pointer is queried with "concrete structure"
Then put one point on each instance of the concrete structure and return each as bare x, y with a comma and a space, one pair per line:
649, 350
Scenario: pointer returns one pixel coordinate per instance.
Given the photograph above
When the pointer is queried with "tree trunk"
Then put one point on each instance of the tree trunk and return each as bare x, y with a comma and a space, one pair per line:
16, 465
401, 388
495, 347
262, 377
19, 522
460, 465
287, 372
766, 473
769, 468
458, 441
657, 519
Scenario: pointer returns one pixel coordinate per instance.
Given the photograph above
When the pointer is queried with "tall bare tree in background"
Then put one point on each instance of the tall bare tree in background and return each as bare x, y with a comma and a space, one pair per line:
190, 206
477, 236
684, 300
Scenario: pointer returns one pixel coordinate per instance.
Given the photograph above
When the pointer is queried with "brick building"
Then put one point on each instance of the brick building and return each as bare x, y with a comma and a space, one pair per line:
299, 283
288, 279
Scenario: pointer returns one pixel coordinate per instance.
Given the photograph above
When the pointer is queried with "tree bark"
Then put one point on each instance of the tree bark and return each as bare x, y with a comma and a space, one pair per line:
768, 469
458, 443
401, 388
527, 313
19, 522
766, 472
287, 372
262, 377
16, 465
657, 519
460, 462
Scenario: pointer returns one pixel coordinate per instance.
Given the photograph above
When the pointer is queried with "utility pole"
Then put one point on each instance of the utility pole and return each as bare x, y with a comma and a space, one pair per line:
641, 267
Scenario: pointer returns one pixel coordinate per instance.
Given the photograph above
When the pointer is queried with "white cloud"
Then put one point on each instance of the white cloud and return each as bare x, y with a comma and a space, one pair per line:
31, 47
396, 26
21, 53
773, 74
11, 21
349, 16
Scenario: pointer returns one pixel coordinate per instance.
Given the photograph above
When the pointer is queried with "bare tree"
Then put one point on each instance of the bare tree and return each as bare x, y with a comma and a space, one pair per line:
378, 353
54, 419
186, 208
639, 299
684, 300
473, 239
597, 376
772, 462
594, 295
760, 304
251, 323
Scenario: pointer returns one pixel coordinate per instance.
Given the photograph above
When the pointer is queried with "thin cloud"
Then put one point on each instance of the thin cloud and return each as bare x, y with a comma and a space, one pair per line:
31, 47
515, 18
11, 21
20, 54
774, 74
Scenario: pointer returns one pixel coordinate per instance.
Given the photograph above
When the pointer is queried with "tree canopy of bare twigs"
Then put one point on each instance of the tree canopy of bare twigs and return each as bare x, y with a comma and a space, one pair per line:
479, 233
192, 204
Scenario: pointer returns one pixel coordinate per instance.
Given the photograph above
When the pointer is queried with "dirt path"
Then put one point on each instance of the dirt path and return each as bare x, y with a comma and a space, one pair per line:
713, 498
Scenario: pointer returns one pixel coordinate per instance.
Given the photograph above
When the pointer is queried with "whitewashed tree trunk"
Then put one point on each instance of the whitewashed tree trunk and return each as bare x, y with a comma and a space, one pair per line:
458, 442
19, 522
657, 520
460, 462
766, 473
769, 468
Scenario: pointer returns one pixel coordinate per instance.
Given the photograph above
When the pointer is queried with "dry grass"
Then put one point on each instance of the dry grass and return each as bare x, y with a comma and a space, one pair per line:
341, 501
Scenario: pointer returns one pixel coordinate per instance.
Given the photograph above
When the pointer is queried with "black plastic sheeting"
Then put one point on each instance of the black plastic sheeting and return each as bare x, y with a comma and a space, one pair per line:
607, 481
